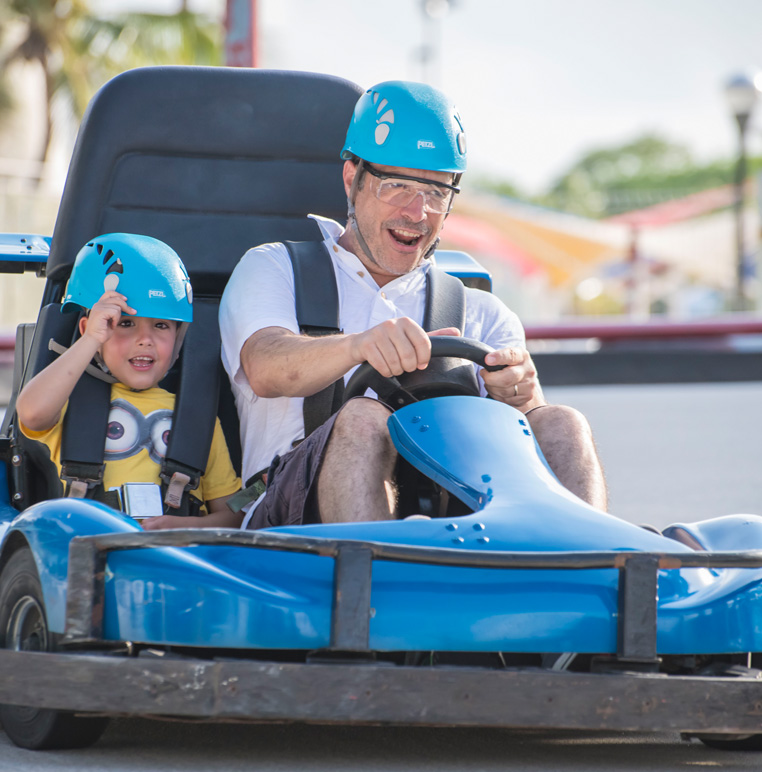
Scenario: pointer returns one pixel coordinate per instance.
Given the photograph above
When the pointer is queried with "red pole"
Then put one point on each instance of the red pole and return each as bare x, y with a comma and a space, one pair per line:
241, 42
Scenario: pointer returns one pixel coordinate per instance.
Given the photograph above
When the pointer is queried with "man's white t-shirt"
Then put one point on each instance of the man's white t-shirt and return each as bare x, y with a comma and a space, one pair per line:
260, 293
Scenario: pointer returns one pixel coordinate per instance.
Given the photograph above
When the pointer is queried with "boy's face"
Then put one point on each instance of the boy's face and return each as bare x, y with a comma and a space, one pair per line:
139, 353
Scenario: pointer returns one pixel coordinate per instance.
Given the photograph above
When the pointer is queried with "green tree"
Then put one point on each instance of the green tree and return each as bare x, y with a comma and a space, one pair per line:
645, 171
78, 51
503, 188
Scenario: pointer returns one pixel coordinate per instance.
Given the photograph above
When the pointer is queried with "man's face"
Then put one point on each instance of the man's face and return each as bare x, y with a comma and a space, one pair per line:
398, 236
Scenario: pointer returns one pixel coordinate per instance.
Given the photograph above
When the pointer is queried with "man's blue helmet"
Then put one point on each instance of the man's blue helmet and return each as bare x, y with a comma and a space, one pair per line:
148, 272
412, 125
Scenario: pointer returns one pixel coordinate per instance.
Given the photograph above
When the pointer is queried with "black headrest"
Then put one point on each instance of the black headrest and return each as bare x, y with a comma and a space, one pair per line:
212, 160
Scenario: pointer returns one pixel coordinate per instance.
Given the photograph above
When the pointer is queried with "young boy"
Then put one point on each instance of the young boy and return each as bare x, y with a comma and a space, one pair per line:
140, 302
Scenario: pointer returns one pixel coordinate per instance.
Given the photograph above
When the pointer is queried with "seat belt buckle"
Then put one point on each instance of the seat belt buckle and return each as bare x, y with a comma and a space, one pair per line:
255, 487
179, 480
177, 484
80, 479
141, 500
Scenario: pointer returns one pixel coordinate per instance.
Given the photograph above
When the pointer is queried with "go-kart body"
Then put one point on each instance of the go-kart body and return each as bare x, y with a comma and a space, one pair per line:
534, 609
322, 622
220, 596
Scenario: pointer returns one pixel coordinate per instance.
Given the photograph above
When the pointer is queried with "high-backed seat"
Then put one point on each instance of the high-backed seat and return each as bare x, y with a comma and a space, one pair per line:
212, 161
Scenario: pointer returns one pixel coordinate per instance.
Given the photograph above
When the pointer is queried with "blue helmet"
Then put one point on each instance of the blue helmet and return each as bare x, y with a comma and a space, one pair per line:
406, 124
146, 271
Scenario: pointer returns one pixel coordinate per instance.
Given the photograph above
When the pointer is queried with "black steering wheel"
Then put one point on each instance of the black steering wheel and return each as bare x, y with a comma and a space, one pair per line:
367, 377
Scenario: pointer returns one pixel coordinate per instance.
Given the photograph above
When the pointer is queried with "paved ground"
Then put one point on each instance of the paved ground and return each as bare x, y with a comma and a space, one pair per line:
676, 452
143, 746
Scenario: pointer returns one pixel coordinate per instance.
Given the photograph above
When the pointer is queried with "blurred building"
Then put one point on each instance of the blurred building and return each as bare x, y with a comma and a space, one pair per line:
676, 258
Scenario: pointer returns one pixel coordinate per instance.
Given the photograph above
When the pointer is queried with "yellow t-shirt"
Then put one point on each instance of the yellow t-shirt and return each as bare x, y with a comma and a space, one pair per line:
136, 443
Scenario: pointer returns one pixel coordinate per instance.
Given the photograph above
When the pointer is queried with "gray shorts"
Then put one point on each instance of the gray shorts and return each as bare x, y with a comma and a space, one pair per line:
291, 493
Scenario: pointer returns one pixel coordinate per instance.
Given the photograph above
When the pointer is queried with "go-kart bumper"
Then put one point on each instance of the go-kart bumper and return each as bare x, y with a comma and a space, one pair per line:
366, 693
345, 682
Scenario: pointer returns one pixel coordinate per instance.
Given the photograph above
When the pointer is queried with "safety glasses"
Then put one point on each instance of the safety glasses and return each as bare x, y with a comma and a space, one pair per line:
400, 190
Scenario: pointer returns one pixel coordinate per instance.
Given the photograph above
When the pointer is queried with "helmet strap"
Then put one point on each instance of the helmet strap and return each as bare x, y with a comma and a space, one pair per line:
182, 328
432, 248
351, 211
102, 365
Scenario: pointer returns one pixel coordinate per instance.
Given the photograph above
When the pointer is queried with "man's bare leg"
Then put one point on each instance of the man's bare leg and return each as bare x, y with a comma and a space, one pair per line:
356, 480
567, 444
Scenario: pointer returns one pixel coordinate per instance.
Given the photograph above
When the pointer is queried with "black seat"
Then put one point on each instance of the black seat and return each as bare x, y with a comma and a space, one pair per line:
212, 161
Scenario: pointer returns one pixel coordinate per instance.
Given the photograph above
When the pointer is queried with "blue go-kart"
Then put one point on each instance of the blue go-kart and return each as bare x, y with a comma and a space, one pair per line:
514, 605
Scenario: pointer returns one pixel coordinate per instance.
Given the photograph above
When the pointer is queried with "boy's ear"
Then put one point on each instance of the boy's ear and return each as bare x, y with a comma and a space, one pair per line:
82, 325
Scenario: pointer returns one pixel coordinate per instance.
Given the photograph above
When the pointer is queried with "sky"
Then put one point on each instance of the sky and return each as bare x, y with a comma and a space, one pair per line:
539, 82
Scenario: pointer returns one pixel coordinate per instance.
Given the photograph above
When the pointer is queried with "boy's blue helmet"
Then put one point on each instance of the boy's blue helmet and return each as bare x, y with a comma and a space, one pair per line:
406, 124
148, 272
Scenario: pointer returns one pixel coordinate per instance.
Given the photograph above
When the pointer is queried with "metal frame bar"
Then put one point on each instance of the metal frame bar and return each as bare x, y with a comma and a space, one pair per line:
652, 330
638, 599
350, 619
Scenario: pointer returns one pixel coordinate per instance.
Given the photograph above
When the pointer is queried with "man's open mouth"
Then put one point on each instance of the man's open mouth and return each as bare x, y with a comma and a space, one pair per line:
408, 238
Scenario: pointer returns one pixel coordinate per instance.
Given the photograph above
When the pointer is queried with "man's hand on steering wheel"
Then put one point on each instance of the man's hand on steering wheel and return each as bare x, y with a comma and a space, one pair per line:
517, 383
396, 346
389, 389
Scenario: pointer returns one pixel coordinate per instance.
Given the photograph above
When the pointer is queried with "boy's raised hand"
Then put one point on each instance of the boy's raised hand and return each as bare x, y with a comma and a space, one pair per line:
105, 315
41, 401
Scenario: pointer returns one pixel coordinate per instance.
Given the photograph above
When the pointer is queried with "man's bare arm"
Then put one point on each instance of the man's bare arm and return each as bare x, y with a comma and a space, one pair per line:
279, 363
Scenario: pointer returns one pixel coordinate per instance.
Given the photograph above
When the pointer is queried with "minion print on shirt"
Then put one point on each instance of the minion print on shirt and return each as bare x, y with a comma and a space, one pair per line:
129, 432
137, 435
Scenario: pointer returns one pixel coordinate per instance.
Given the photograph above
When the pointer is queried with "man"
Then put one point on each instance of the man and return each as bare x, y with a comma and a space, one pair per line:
404, 155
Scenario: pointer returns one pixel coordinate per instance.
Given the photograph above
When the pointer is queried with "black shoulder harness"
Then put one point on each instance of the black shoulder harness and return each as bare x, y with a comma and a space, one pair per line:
317, 313
85, 423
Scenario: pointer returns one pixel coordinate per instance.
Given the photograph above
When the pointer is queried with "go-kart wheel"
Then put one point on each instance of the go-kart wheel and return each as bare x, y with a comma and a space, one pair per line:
367, 377
729, 742
23, 627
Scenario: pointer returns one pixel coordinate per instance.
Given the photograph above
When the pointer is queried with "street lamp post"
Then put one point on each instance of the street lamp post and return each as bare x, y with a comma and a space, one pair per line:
741, 94
434, 12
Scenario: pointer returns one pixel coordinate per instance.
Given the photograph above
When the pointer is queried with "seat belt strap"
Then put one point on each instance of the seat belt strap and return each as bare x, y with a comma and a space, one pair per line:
83, 437
317, 296
445, 301
317, 313
445, 307
195, 412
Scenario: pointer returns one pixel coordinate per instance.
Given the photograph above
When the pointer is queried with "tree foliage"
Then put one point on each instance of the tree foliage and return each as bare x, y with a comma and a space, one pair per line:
610, 180
78, 52
499, 187
645, 171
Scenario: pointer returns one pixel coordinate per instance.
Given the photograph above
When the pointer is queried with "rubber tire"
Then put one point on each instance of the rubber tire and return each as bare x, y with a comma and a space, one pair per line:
751, 743
37, 728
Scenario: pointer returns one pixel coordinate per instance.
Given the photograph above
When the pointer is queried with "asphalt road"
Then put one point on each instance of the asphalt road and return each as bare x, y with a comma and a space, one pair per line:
143, 746
671, 453
676, 453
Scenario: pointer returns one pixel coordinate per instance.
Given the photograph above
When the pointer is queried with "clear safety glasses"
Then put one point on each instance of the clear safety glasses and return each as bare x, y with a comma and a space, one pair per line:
400, 190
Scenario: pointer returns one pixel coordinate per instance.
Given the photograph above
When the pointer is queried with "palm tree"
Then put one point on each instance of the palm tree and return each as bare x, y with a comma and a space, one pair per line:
78, 52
